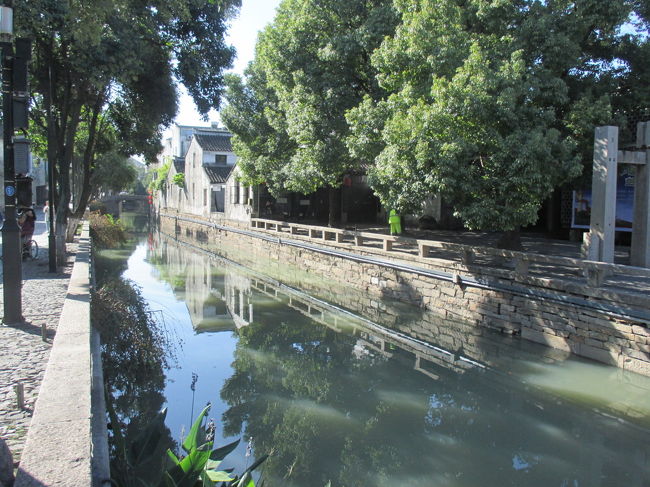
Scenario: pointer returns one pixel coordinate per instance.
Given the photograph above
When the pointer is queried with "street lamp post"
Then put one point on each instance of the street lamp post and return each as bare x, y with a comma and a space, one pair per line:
11, 252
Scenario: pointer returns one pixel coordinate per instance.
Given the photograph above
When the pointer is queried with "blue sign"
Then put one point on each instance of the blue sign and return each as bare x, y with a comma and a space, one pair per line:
10, 190
581, 214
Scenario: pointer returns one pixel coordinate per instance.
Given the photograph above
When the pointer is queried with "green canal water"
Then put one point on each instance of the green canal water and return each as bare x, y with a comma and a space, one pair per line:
358, 391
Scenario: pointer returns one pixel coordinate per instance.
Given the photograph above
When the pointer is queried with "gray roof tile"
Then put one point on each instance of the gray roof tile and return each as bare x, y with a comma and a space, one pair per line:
214, 143
218, 174
179, 164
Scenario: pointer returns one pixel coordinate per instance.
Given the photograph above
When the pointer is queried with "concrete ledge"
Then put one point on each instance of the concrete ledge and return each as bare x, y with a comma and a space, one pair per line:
59, 448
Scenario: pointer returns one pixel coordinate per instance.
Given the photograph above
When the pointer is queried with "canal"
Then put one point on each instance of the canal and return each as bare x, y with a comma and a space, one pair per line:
345, 389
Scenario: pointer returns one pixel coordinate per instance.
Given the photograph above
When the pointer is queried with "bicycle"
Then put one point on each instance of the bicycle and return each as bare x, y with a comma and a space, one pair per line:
30, 249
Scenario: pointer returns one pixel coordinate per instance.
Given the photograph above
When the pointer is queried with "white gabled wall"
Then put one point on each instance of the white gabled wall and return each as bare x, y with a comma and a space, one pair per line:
238, 198
197, 183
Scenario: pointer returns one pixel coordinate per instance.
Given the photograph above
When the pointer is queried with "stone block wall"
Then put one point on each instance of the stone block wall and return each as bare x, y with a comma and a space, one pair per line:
580, 328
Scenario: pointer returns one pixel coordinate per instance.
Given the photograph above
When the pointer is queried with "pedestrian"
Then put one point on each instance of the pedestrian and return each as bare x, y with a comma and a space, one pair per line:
46, 211
27, 222
395, 223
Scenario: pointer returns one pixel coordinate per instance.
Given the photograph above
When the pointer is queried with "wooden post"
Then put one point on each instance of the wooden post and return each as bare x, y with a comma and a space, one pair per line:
603, 195
640, 248
595, 276
20, 396
467, 256
423, 250
522, 265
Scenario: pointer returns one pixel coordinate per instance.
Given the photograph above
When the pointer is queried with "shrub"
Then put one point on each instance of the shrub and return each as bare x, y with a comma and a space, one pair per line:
179, 179
106, 231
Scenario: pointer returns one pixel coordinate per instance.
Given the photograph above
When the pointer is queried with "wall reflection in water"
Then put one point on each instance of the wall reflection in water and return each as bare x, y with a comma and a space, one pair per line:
343, 388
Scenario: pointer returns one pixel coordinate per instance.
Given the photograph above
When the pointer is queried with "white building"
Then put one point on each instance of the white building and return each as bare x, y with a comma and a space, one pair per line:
208, 163
212, 185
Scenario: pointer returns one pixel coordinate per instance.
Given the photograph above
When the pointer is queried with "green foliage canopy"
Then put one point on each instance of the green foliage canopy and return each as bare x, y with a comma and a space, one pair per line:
494, 103
311, 66
114, 65
112, 172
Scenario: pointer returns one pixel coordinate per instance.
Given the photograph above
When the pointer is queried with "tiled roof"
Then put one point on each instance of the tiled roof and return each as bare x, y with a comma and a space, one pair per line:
214, 143
179, 164
217, 174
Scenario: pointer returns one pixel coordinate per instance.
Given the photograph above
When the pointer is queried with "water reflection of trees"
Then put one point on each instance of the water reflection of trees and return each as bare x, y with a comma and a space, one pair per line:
332, 409
134, 357
301, 391
354, 409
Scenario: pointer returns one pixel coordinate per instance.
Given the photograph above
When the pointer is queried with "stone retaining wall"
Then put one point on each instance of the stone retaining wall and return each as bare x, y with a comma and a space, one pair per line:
67, 439
586, 327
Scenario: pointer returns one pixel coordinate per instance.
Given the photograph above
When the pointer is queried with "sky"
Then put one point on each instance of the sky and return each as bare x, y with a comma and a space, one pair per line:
253, 17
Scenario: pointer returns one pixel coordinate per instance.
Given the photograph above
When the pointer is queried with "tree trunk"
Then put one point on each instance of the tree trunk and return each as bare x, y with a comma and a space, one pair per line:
85, 189
334, 215
60, 235
510, 240
73, 222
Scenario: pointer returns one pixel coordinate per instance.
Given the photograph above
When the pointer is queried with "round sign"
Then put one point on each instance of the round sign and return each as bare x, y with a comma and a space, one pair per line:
10, 190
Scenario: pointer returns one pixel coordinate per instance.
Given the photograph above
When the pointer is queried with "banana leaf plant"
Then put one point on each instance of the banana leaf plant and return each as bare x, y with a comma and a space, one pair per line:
198, 468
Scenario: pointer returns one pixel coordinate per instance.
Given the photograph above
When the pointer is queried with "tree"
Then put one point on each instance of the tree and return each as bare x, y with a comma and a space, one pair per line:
311, 66
260, 137
89, 68
112, 172
494, 103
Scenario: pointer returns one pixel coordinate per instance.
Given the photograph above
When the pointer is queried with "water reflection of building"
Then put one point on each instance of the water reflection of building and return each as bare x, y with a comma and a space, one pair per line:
217, 298
220, 296
372, 338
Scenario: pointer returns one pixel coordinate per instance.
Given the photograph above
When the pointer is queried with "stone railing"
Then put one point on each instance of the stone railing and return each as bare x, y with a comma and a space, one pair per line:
67, 441
595, 274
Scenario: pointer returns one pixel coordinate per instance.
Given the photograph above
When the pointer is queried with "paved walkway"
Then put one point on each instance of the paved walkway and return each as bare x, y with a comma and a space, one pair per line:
23, 353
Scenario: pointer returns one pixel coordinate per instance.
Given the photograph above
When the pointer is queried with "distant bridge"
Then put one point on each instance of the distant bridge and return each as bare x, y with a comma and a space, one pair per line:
119, 203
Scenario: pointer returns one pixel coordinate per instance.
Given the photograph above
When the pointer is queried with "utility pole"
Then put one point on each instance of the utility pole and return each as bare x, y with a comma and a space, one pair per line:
51, 239
15, 100
11, 254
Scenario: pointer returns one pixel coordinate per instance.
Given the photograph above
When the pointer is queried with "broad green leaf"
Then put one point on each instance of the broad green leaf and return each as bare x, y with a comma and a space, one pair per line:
218, 476
172, 457
195, 461
220, 453
191, 441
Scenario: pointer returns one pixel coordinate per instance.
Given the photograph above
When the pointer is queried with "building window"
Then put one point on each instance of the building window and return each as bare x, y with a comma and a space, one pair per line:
220, 159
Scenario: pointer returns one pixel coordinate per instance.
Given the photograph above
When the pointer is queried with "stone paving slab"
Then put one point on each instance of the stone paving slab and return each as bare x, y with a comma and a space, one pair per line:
23, 353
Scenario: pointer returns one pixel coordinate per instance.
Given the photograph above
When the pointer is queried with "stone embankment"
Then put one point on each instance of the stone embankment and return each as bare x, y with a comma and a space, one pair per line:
57, 436
23, 352
606, 324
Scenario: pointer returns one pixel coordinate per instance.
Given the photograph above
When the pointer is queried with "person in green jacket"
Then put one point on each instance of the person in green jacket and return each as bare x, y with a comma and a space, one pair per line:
395, 223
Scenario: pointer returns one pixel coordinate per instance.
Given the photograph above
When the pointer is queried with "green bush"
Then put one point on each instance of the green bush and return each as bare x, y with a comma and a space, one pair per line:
179, 179
106, 231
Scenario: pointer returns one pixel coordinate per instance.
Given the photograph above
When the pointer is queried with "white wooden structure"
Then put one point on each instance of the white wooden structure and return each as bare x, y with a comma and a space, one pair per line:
603, 195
